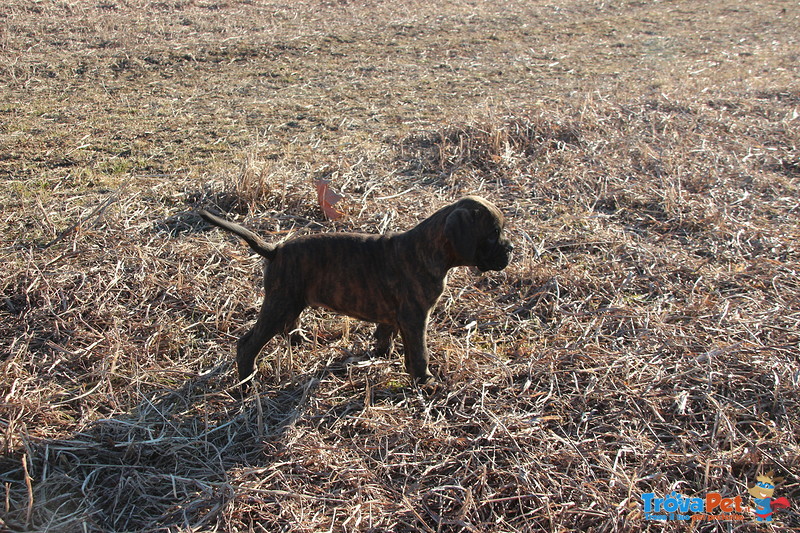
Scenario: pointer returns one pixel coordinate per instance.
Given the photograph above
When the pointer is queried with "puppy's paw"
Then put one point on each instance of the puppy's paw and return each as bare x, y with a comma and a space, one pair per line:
242, 389
379, 352
428, 384
296, 338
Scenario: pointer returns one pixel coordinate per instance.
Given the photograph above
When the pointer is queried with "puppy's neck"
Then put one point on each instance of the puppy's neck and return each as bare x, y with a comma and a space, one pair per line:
427, 241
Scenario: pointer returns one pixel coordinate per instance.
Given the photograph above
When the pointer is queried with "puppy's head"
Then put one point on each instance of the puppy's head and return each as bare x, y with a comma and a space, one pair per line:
475, 229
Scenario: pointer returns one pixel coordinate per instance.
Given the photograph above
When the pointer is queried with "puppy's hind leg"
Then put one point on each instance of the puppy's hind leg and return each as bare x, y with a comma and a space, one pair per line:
275, 317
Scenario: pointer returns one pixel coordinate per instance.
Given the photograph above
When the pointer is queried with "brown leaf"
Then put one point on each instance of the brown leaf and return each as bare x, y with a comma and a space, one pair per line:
326, 197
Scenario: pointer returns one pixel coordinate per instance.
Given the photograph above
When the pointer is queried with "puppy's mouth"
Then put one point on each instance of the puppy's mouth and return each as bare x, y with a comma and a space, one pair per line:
496, 258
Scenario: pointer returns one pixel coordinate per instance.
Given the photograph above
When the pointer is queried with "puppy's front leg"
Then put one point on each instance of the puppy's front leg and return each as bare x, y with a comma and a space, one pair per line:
413, 331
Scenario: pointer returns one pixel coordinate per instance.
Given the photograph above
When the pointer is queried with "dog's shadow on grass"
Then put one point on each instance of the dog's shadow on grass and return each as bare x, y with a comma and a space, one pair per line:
164, 466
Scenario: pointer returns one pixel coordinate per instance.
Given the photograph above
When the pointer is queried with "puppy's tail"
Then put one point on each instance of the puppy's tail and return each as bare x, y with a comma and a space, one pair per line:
256, 243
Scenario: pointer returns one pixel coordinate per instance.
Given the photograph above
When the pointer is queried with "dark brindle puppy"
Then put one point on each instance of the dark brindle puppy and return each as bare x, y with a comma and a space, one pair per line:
393, 280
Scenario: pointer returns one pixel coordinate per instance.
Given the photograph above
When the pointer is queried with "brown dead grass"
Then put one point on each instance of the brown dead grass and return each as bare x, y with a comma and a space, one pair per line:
644, 339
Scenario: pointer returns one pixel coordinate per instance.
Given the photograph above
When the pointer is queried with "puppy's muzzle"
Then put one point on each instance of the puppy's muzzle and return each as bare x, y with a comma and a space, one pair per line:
496, 256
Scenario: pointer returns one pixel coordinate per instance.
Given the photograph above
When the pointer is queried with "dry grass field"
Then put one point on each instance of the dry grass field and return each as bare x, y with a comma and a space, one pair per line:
644, 339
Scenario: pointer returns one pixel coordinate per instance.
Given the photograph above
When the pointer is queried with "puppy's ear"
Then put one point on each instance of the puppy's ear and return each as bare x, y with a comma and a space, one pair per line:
458, 230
